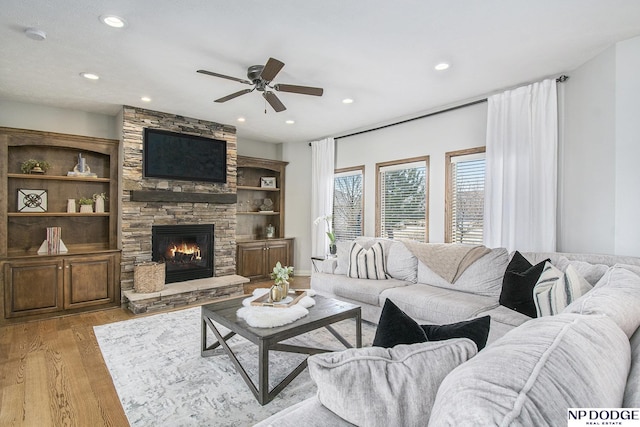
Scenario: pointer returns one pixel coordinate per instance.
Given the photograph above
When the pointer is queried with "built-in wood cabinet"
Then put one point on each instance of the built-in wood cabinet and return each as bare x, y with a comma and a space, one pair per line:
260, 206
255, 260
87, 276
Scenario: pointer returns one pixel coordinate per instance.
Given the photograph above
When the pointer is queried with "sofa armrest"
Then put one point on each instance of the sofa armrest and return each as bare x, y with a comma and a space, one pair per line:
324, 265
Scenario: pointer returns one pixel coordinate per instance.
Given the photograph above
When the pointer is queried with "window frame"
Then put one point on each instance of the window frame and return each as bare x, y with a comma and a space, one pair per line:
448, 199
378, 212
361, 169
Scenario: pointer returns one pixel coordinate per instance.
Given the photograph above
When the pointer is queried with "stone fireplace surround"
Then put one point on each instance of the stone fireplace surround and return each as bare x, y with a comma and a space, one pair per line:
151, 201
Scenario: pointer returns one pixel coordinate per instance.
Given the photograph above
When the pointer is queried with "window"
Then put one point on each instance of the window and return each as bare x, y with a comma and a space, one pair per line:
464, 207
402, 195
348, 203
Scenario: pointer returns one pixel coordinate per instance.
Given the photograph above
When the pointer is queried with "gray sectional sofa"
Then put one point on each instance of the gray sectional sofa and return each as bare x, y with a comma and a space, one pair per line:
530, 373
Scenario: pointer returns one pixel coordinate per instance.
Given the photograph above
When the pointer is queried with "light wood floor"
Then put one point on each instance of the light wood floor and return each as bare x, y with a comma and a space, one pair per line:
52, 372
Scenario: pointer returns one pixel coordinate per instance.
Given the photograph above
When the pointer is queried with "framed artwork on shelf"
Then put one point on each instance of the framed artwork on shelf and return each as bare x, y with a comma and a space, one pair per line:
32, 200
268, 182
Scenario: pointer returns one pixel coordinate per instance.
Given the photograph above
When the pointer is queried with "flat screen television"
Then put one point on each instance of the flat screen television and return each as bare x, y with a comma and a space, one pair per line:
183, 157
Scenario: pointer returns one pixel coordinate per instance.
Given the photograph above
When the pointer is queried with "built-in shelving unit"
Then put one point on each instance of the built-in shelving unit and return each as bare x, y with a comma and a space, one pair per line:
256, 252
87, 276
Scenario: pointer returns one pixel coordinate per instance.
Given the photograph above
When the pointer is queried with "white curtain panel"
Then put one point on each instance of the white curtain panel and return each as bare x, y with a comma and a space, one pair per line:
322, 167
521, 169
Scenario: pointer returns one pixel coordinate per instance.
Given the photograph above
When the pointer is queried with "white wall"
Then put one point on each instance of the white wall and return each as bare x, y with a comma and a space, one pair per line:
586, 202
298, 221
262, 150
51, 119
627, 133
599, 169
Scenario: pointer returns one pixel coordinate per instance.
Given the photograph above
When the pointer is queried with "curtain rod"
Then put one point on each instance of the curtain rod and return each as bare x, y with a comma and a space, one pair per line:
563, 78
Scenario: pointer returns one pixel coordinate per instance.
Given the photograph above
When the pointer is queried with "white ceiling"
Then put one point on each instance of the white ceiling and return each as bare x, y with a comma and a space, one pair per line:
379, 52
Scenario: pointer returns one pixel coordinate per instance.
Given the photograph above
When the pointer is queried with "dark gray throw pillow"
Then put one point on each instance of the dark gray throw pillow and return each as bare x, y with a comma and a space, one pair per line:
396, 327
518, 283
477, 330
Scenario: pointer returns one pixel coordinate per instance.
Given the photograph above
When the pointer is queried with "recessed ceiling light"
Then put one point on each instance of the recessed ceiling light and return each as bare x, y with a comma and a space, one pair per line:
241, 119
145, 99
35, 34
442, 66
347, 101
90, 76
113, 21
290, 122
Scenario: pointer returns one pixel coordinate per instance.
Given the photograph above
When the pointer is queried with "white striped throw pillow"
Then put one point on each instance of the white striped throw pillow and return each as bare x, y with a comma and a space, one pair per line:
367, 263
555, 290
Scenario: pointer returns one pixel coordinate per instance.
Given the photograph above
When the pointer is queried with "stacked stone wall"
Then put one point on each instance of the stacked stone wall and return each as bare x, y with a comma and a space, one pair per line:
138, 217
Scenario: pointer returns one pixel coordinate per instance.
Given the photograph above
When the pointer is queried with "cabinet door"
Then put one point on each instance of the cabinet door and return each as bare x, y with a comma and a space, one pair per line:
278, 251
251, 260
32, 287
89, 280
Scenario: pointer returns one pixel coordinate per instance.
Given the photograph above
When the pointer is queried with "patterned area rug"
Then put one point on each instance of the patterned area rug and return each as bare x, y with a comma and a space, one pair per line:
161, 379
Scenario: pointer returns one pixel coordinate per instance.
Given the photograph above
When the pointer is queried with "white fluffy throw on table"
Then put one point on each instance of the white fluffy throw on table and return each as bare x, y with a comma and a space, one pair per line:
270, 317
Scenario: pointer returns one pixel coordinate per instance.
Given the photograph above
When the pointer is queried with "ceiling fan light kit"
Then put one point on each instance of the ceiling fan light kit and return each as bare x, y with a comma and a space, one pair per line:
260, 77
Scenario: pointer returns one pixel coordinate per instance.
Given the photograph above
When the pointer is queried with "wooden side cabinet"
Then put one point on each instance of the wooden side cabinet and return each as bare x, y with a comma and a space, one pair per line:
256, 259
57, 284
90, 280
33, 287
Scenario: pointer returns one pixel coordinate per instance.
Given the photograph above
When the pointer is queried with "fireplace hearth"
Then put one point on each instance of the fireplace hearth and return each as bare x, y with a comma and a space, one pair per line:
186, 250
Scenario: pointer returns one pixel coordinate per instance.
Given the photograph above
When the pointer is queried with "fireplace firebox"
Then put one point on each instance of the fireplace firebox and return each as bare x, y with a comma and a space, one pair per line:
185, 250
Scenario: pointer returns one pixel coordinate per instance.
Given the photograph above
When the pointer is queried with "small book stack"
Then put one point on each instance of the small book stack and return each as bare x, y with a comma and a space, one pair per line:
53, 244
53, 240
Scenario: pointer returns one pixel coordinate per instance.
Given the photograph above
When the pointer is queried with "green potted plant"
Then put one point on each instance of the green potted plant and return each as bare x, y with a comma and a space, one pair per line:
34, 166
86, 204
280, 276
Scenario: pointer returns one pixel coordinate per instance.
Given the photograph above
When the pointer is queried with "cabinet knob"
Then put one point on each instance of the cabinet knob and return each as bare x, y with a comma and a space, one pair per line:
59, 268
66, 266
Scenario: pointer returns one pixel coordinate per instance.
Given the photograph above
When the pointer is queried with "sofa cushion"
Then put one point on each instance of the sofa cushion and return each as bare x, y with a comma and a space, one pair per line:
590, 266
342, 256
517, 286
555, 290
401, 263
395, 328
483, 277
503, 320
535, 372
363, 290
632, 391
377, 386
308, 413
431, 304
367, 263
616, 295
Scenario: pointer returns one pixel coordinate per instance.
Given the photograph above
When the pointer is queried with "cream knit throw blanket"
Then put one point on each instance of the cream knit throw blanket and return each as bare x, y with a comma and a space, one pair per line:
447, 260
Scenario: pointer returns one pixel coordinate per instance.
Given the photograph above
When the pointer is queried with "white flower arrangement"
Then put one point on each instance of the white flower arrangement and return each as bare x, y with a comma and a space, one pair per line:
328, 219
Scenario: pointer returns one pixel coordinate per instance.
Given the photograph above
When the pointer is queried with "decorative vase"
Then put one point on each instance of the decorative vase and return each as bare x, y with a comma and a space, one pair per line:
86, 209
285, 288
99, 204
71, 205
333, 249
276, 293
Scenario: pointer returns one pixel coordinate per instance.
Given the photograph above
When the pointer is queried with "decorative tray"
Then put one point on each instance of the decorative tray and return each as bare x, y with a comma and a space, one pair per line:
295, 295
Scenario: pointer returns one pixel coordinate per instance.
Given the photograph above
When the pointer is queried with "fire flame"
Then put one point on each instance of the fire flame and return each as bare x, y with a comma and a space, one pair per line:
185, 249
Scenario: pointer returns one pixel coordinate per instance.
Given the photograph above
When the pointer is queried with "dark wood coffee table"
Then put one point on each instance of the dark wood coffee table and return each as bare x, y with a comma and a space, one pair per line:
324, 313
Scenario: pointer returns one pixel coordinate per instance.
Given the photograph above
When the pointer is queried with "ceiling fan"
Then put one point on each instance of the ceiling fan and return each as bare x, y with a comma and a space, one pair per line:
261, 77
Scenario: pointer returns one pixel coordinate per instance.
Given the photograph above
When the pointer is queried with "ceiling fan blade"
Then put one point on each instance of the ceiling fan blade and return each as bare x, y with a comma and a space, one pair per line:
233, 95
271, 68
304, 90
273, 100
222, 76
